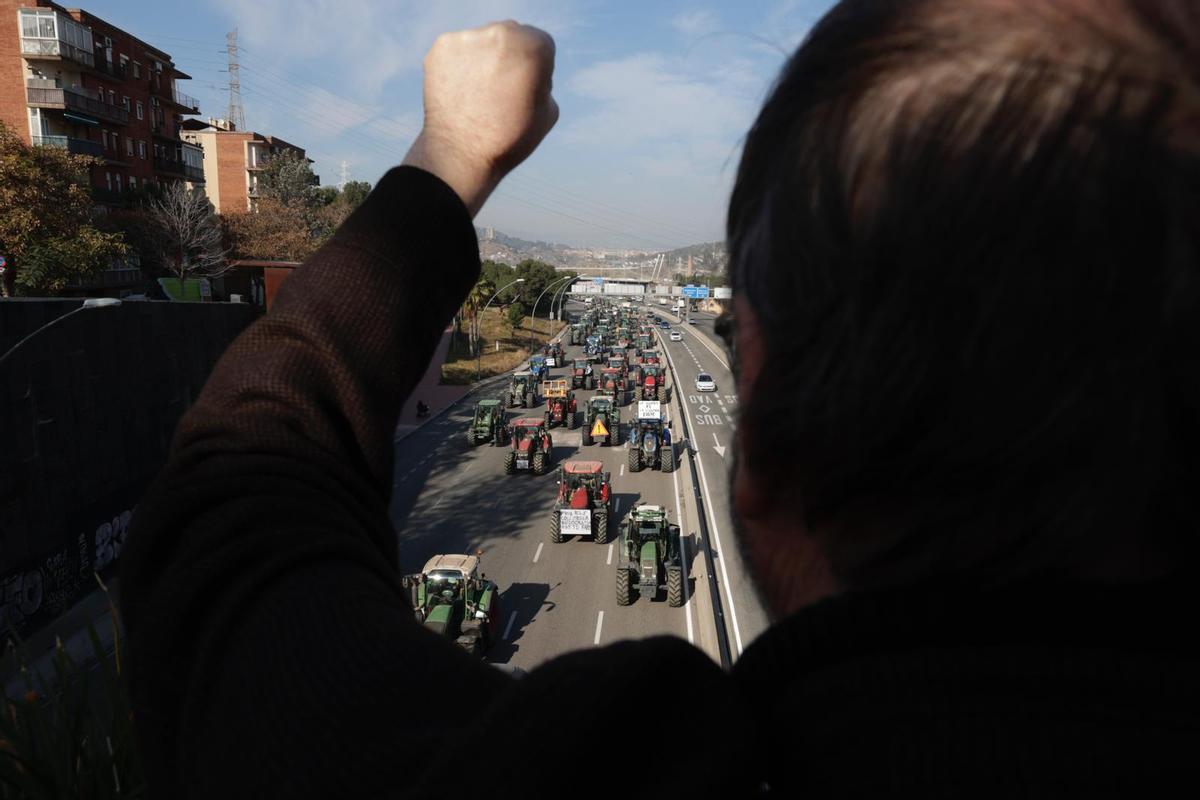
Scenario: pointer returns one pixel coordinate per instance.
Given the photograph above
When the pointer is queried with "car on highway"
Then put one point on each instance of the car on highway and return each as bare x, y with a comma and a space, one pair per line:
676, 336
705, 383
662, 323
691, 321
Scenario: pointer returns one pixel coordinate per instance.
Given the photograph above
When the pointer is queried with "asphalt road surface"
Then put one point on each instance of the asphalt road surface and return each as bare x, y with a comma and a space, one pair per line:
449, 497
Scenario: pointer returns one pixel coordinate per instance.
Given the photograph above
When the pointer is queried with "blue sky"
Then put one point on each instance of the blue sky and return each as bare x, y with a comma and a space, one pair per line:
655, 96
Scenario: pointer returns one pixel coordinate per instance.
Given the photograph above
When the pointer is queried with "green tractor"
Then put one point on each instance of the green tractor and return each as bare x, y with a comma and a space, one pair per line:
601, 422
488, 424
532, 448
578, 333
582, 505
650, 439
522, 390
452, 599
650, 556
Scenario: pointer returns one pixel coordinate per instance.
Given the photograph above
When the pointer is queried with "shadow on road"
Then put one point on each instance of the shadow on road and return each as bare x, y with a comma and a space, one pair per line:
527, 600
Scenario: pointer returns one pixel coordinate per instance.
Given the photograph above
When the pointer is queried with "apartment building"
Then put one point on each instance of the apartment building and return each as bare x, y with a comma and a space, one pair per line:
69, 79
233, 160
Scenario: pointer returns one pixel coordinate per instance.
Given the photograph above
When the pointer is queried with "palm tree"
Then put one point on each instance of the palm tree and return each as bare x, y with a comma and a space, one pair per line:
473, 308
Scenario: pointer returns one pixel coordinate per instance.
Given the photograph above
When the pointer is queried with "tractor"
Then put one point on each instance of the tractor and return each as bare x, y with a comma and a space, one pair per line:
577, 333
650, 556
581, 509
651, 383
601, 421
522, 390
453, 599
612, 384
488, 424
649, 357
539, 368
594, 349
553, 354
649, 440
532, 447
618, 362
582, 376
560, 405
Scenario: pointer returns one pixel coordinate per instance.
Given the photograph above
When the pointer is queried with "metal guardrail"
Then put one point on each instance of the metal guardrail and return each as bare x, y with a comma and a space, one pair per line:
72, 100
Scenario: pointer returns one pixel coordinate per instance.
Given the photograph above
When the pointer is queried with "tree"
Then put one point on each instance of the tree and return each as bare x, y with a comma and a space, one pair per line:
47, 231
288, 178
275, 232
480, 293
191, 234
515, 315
354, 192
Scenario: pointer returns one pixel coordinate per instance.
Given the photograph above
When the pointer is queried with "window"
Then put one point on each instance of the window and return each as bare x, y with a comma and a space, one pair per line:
125, 103
133, 181
116, 143
137, 69
140, 110
112, 98
141, 149
124, 62
108, 180
118, 181
104, 136
128, 146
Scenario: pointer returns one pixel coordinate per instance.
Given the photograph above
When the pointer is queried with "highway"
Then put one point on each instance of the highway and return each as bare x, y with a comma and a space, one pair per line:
449, 497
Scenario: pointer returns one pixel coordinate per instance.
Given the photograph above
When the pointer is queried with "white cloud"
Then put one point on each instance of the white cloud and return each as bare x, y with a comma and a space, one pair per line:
699, 22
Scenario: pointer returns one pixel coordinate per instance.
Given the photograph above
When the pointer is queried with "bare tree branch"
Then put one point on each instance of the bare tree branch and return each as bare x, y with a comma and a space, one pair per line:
192, 241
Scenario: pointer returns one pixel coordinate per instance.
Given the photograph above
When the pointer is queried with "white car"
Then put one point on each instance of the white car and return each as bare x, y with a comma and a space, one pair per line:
676, 336
705, 383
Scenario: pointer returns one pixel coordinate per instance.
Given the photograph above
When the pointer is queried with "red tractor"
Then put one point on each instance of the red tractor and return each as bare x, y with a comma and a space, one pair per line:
531, 447
612, 384
553, 353
560, 405
652, 383
582, 376
582, 506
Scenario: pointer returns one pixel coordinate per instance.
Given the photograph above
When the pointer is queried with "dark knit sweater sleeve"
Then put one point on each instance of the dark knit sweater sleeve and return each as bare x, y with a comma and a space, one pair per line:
270, 650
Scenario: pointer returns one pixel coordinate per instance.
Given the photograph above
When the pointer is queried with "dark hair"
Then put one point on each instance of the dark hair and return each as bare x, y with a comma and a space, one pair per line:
970, 236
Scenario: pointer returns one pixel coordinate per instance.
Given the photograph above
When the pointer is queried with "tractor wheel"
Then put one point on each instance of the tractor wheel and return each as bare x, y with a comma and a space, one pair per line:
675, 586
529, 400
601, 518
546, 417
662, 393
592, 382
510, 463
572, 420
539, 464
635, 460
667, 458
524, 401
587, 437
471, 440
624, 595
555, 528
614, 435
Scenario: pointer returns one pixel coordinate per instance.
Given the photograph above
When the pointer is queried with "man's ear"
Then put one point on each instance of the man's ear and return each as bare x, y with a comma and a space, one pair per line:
750, 500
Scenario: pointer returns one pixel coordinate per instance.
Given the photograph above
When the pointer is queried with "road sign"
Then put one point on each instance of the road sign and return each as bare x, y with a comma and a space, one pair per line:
598, 430
695, 292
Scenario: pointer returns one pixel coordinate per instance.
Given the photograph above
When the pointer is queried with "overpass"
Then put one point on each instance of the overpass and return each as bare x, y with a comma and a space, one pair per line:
592, 285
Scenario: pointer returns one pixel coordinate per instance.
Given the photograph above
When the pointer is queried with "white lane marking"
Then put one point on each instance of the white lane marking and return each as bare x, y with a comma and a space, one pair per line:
704, 341
508, 628
617, 508
609, 559
687, 600
599, 624
718, 446
538, 554
622, 469
712, 516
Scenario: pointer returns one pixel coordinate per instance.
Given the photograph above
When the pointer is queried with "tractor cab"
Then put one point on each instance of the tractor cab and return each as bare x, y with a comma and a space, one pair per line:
452, 599
581, 374
649, 357
539, 368
651, 381
522, 390
612, 384
602, 421
580, 481
649, 439
488, 423
532, 447
553, 354
560, 404
650, 556
616, 362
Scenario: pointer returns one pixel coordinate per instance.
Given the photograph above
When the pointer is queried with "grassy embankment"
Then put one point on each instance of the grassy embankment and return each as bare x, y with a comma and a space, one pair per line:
459, 368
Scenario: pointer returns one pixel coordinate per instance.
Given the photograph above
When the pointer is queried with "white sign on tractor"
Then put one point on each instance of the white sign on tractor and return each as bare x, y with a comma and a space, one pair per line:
649, 409
575, 522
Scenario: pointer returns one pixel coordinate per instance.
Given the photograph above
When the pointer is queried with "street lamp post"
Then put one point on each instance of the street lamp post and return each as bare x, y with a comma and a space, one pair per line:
533, 311
561, 294
478, 347
91, 302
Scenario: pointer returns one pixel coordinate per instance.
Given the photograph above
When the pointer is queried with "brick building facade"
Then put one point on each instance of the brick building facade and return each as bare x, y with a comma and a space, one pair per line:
233, 160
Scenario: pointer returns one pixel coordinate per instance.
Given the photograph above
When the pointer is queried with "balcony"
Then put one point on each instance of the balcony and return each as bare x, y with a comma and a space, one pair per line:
43, 94
185, 101
193, 174
108, 196
109, 70
79, 147
54, 49
166, 130
182, 169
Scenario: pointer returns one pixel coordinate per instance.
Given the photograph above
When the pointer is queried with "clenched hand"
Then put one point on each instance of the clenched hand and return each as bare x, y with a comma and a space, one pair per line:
487, 106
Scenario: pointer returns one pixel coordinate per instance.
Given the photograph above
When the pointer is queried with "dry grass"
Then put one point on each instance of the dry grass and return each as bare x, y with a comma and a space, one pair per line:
459, 368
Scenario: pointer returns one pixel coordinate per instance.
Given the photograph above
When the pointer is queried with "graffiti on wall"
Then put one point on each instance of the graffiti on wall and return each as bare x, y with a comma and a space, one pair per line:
38, 594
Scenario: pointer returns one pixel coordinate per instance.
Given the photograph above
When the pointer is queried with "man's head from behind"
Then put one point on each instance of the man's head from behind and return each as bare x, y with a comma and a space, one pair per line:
964, 245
